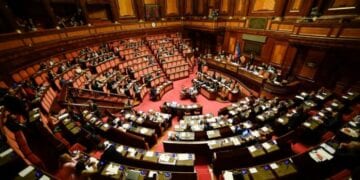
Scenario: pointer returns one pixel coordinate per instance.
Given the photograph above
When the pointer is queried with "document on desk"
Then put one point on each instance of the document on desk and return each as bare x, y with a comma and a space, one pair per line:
143, 130
120, 148
235, 141
44, 177
166, 159
280, 120
306, 124
328, 148
266, 145
112, 169
184, 156
265, 129
228, 175
253, 170
255, 133
149, 154
320, 155
252, 149
152, 173
274, 166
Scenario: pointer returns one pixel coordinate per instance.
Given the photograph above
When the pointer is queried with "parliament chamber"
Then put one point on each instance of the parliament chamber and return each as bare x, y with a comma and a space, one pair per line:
179, 89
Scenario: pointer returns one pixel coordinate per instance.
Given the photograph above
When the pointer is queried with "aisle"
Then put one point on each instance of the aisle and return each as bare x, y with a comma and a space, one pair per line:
203, 170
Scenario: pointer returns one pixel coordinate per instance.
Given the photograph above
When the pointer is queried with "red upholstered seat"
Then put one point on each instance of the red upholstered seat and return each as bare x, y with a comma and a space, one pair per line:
35, 160
59, 136
344, 174
299, 148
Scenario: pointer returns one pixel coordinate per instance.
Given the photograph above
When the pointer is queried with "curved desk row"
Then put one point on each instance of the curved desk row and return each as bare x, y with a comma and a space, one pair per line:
118, 171
259, 153
318, 163
183, 162
206, 147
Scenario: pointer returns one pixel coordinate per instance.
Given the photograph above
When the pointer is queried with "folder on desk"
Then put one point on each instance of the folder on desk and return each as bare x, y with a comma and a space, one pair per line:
132, 175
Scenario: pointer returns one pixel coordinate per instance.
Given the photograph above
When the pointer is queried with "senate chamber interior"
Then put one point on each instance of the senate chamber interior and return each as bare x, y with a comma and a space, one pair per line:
179, 89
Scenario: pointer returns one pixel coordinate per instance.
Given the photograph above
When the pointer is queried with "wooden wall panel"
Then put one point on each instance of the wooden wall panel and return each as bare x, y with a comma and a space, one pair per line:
149, 1
212, 3
224, 6
314, 58
341, 7
343, 4
263, 5
295, 5
200, 7
189, 7
232, 42
267, 7
99, 13
298, 7
172, 7
126, 8
278, 54
289, 60
240, 7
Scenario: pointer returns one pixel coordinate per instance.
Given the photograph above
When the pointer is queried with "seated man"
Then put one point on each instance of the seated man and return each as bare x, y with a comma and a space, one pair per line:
153, 94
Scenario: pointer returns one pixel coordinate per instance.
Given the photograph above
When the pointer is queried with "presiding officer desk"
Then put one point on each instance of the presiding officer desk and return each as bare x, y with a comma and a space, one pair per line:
213, 86
257, 81
180, 110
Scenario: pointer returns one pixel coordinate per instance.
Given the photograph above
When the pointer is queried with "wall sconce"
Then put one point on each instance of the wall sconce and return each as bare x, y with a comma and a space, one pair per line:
18, 31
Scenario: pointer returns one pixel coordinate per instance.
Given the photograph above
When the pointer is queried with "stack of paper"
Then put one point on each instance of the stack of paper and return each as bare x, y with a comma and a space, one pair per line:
320, 155
149, 154
182, 156
252, 149
253, 170
266, 145
235, 141
274, 166
112, 169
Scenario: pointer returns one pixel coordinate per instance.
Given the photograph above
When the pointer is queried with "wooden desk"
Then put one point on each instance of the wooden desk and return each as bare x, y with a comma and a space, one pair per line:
208, 93
182, 162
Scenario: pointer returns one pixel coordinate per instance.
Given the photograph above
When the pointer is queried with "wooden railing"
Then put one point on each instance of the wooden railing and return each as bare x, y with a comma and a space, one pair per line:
16, 40
334, 30
81, 105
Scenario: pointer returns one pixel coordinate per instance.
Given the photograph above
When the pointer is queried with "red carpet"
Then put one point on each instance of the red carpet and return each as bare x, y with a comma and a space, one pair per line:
174, 95
203, 172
